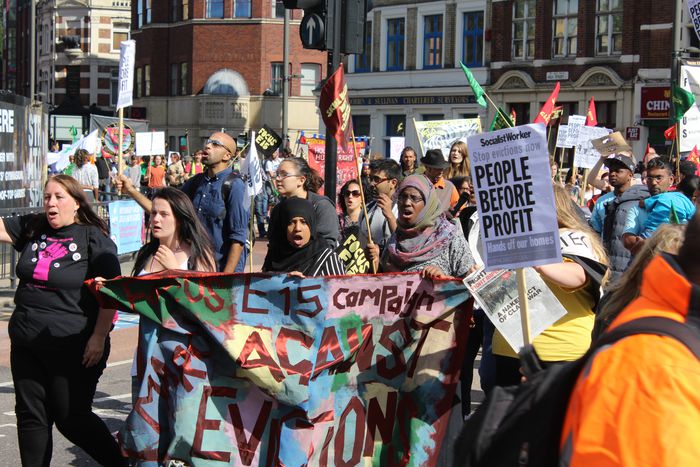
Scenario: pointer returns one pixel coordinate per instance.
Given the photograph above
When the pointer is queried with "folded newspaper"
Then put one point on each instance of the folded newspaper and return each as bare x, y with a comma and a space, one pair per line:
496, 293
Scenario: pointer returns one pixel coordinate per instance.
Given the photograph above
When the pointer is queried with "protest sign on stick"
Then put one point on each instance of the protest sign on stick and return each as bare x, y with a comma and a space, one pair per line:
586, 154
515, 201
127, 57
442, 134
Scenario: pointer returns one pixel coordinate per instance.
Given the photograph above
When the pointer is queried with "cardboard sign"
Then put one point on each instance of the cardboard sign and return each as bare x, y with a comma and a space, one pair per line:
267, 141
575, 124
150, 143
514, 195
126, 225
563, 137
586, 155
127, 57
610, 144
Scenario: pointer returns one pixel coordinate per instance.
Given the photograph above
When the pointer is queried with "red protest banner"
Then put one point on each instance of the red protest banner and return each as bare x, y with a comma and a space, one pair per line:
335, 108
347, 170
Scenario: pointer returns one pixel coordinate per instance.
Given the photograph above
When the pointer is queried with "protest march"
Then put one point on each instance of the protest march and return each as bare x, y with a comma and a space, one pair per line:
486, 288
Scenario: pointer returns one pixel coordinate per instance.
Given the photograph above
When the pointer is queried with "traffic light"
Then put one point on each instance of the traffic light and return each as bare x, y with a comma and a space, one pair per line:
317, 26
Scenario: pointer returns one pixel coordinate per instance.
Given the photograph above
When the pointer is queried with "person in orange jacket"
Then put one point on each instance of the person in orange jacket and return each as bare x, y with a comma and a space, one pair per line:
637, 402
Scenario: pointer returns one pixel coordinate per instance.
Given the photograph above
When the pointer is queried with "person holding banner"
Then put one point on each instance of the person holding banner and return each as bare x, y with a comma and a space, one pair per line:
300, 251
424, 239
459, 161
59, 335
294, 178
576, 283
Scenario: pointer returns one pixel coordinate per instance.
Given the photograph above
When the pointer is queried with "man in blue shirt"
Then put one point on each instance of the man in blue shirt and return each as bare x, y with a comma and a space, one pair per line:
226, 220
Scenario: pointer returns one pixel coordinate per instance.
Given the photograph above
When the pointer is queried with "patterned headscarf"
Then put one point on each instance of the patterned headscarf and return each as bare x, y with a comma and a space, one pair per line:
428, 236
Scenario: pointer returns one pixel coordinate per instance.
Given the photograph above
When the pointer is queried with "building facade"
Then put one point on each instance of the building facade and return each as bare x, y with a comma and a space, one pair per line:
410, 68
203, 65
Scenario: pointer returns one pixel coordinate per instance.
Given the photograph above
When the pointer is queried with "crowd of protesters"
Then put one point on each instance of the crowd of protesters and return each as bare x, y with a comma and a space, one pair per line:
420, 216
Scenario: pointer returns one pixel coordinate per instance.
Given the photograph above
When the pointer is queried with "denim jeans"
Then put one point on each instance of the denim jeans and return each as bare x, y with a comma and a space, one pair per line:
261, 212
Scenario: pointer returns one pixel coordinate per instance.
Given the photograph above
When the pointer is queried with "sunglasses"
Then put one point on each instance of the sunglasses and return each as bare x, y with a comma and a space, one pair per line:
377, 180
353, 193
216, 142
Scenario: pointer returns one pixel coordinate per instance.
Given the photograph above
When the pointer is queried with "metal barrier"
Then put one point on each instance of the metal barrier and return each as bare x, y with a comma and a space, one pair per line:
8, 255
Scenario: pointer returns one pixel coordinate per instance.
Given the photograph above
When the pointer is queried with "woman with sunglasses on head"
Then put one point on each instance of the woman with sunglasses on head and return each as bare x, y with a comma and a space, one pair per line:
424, 240
350, 202
58, 333
294, 178
300, 251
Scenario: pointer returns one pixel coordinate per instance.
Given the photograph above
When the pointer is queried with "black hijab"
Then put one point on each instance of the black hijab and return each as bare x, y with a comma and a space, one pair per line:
281, 255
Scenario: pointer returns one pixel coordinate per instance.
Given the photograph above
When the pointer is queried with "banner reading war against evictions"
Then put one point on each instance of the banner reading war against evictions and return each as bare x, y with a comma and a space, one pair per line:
257, 369
515, 200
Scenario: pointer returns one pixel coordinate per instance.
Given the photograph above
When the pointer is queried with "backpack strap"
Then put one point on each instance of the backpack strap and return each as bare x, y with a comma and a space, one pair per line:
226, 186
687, 333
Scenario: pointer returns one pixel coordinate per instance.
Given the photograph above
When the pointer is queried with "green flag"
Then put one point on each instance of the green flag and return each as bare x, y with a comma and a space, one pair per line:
501, 121
476, 87
682, 101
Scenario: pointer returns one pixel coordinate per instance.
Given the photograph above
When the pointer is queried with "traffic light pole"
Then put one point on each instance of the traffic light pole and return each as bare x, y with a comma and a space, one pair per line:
331, 166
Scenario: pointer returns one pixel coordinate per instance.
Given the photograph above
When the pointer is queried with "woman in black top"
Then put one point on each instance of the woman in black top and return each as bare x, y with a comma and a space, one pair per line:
59, 336
300, 249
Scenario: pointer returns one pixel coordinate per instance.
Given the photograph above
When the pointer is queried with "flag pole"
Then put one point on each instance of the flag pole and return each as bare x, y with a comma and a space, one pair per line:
498, 111
120, 169
678, 151
252, 234
362, 193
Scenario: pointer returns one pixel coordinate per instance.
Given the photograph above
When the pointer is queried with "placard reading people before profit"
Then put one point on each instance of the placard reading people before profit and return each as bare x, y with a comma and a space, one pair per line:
510, 170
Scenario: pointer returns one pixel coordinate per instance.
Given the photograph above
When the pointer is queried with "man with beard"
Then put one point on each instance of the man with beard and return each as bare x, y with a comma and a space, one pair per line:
382, 210
610, 211
218, 195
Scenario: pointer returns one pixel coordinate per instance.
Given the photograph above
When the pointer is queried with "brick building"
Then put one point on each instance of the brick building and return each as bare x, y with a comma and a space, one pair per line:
410, 69
617, 51
203, 65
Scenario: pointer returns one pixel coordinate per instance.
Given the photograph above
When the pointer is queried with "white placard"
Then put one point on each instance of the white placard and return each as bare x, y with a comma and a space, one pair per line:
575, 123
396, 145
512, 181
563, 137
586, 155
694, 11
442, 134
150, 143
690, 123
127, 57
252, 170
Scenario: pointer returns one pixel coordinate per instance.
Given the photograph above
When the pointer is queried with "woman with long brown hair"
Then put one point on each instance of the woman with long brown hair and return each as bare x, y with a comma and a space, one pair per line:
459, 161
59, 336
576, 283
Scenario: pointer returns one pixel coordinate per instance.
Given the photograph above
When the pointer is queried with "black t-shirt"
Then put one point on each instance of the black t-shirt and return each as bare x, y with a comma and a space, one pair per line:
52, 304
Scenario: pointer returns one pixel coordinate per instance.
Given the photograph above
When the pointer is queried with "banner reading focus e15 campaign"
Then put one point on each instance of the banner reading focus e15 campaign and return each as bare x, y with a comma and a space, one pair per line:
511, 177
267, 370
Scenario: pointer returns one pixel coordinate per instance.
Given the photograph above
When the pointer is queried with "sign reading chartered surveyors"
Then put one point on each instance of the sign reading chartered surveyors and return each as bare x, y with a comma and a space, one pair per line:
511, 174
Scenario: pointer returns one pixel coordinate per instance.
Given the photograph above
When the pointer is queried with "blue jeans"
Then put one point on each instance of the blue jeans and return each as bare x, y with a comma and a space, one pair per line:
261, 212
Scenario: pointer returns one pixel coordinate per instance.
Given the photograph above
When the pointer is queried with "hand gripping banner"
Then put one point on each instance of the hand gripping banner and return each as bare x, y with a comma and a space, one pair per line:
256, 369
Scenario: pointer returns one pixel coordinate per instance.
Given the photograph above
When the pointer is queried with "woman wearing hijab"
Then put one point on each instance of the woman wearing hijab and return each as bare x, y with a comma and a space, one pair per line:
424, 240
299, 249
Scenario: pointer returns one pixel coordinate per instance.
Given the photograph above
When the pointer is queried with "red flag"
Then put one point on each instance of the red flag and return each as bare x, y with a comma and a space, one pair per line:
335, 107
546, 112
670, 133
695, 159
513, 116
591, 117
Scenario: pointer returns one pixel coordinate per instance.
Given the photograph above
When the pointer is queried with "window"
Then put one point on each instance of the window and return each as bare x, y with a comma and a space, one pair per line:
432, 41
363, 62
139, 13
395, 44
430, 117
310, 77
276, 78
564, 28
148, 12
114, 86
277, 9
395, 126
174, 70
522, 112
609, 27
183, 79
360, 125
215, 9
473, 39
118, 37
242, 9
523, 29
147, 80
174, 10
605, 113
139, 82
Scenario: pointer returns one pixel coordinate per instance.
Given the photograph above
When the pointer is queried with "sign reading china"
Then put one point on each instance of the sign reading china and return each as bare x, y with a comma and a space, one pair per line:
347, 168
656, 102
257, 369
514, 195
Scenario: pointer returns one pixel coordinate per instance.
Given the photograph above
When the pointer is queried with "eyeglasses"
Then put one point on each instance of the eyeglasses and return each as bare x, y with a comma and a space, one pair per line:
282, 175
656, 178
353, 193
377, 180
412, 198
216, 142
